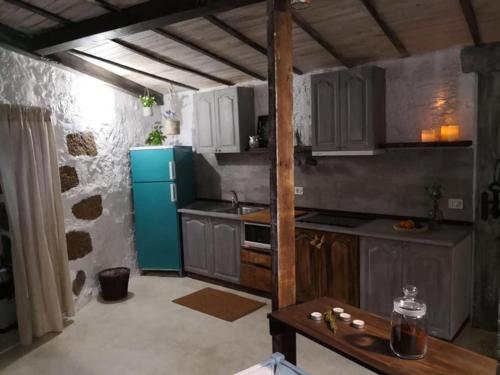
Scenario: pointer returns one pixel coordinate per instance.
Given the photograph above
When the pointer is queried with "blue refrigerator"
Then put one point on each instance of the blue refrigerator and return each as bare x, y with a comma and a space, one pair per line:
162, 181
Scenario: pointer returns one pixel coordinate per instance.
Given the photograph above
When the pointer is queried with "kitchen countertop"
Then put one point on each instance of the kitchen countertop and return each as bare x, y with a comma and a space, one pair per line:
448, 235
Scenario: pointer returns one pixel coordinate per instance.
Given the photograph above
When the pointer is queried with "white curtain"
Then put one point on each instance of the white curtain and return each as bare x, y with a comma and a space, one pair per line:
30, 176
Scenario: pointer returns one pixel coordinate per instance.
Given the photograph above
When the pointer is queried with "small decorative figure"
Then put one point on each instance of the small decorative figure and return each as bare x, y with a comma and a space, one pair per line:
253, 142
435, 214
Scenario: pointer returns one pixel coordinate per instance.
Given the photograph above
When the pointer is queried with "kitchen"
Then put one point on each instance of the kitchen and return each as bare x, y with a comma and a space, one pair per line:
377, 179
357, 199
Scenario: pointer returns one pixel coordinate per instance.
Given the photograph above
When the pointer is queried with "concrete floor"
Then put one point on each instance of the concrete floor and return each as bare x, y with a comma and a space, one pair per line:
148, 334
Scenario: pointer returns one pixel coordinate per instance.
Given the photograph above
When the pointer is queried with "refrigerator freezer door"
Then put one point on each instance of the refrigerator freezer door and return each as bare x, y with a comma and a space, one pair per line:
156, 226
153, 165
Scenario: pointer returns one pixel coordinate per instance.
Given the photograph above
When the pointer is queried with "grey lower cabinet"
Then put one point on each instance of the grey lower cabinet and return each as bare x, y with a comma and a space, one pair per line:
224, 120
441, 274
348, 111
211, 247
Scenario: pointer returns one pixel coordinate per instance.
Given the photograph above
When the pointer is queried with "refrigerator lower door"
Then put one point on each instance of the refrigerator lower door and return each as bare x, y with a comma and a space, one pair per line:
156, 226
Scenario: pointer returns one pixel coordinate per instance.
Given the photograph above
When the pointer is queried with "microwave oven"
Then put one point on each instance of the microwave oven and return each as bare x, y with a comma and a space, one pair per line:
257, 235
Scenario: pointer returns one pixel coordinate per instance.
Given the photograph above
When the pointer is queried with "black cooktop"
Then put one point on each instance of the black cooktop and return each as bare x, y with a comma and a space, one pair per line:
335, 220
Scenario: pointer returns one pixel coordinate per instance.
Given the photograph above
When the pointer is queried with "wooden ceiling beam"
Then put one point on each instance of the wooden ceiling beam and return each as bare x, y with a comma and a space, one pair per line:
40, 11
241, 37
206, 52
121, 83
133, 70
391, 34
315, 35
131, 20
173, 64
14, 38
471, 19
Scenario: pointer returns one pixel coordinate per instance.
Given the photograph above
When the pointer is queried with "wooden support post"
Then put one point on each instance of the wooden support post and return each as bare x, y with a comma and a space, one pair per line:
280, 59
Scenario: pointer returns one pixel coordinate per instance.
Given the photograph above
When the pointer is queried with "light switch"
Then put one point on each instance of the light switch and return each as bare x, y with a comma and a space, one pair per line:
455, 204
299, 190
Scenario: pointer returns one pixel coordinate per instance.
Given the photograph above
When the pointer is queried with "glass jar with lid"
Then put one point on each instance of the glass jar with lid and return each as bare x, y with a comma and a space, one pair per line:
409, 325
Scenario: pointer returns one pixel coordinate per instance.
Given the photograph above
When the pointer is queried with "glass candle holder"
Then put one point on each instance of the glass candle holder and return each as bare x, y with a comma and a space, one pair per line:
428, 135
450, 133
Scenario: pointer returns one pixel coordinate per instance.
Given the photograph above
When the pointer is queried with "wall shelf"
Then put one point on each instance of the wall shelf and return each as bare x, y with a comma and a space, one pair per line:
404, 145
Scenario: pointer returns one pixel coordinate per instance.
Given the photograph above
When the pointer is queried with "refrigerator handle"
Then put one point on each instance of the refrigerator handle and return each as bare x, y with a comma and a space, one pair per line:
171, 167
173, 192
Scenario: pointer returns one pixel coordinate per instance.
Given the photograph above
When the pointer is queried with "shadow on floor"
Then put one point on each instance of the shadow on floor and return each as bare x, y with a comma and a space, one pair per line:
130, 295
18, 351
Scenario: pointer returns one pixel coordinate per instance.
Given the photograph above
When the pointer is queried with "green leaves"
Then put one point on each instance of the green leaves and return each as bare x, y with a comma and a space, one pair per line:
147, 101
156, 137
330, 320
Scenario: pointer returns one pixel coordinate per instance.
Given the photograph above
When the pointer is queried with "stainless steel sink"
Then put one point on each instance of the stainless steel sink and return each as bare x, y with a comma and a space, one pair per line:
223, 207
243, 210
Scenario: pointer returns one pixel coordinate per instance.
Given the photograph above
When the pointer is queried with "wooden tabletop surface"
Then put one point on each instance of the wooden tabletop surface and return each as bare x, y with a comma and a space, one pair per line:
264, 216
370, 346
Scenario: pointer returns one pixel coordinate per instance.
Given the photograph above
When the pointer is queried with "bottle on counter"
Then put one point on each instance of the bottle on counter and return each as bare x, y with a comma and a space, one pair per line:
409, 325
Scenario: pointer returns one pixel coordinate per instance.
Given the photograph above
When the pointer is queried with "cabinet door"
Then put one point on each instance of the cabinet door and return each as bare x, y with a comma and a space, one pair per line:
206, 135
309, 271
381, 274
341, 264
226, 245
325, 111
355, 104
429, 269
196, 242
226, 109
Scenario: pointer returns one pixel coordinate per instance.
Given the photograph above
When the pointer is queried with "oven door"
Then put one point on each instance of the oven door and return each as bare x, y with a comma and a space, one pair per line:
257, 235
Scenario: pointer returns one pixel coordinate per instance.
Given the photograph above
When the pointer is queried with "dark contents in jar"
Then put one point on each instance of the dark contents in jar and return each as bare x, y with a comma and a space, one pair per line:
408, 340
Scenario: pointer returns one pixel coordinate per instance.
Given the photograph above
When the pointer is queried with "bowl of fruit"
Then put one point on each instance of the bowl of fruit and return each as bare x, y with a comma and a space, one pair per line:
410, 226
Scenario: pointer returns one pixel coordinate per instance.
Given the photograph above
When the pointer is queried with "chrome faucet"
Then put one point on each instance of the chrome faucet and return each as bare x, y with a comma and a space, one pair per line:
234, 199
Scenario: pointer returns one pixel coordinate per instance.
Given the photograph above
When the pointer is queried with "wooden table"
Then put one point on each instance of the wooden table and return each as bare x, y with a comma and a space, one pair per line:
369, 347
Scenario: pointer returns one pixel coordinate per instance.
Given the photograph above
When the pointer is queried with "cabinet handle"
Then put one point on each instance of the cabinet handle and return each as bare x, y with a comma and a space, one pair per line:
173, 193
171, 168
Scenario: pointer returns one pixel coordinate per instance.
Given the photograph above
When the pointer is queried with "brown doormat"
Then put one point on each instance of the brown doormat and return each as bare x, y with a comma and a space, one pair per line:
222, 305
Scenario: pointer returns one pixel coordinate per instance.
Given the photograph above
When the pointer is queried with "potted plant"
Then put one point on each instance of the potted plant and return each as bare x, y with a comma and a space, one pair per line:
172, 125
156, 137
147, 103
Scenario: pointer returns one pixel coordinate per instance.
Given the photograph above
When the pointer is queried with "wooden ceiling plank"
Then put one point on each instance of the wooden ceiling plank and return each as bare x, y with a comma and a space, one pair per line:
206, 52
42, 12
391, 34
83, 66
131, 20
471, 19
315, 35
160, 59
106, 5
134, 70
241, 37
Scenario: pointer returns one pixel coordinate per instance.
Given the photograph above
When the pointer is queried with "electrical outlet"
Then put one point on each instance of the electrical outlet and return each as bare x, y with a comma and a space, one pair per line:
456, 204
299, 190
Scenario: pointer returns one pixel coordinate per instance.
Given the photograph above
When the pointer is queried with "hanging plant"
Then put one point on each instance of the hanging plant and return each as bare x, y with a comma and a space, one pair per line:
148, 102
156, 137
172, 125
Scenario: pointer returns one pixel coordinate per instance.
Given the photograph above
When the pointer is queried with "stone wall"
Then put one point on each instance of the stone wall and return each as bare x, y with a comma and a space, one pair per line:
422, 92
95, 125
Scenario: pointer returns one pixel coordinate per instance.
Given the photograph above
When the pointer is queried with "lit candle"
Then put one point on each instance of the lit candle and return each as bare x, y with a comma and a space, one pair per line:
428, 135
450, 133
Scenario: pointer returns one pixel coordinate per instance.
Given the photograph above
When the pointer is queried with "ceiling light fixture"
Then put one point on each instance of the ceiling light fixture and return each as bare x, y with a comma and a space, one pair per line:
300, 4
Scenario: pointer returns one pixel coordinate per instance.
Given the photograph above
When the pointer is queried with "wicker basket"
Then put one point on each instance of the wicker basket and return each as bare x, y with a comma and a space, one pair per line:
114, 283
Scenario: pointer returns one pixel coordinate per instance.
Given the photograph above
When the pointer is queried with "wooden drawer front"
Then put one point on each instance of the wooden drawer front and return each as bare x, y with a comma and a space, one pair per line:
255, 277
259, 259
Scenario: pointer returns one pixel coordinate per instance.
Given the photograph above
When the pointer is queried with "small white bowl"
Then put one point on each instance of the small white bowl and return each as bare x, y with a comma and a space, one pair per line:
316, 316
345, 317
337, 311
358, 323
